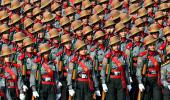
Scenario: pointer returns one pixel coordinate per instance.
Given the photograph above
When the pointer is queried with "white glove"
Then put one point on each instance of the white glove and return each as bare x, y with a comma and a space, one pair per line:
97, 93
35, 94
71, 92
58, 96
59, 84
25, 88
169, 87
130, 78
21, 96
104, 86
141, 87
129, 87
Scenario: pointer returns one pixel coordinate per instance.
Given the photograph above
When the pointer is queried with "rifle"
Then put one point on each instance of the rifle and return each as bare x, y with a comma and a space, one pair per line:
143, 77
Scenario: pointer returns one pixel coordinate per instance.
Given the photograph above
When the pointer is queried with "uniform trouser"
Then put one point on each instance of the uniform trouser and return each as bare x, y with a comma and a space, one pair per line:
64, 90
152, 90
82, 91
28, 93
115, 90
47, 92
11, 94
135, 89
166, 94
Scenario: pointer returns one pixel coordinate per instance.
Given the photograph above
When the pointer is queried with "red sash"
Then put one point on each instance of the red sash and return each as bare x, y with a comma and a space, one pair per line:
156, 66
48, 69
118, 63
86, 69
11, 73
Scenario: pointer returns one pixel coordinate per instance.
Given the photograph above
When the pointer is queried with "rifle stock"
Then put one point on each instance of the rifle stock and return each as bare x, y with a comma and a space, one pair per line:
60, 66
139, 95
103, 95
70, 97
74, 74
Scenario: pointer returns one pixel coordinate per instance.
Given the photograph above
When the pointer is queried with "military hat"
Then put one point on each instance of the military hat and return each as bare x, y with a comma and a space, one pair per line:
114, 40
5, 2
166, 30
6, 50
27, 41
119, 26
98, 9
79, 44
86, 4
44, 47
69, 11
4, 28
54, 6
114, 14
153, 28
94, 19
14, 19
27, 8
45, 3
139, 21
163, 6
133, 1
116, 4
28, 22
103, 1
36, 11
148, 3
142, 12
108, 23
65, 38
37, 27
84, 13
125, 17
134, 31
15, 4
53, 33
77, 2
76, 24
133, 8
64, 21
3, 15
168, 50
19, 36
98, 35
47, 16
159, 14
86, 30
148, 40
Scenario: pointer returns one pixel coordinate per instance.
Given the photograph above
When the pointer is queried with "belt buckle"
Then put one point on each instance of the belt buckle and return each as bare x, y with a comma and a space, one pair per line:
47, 79
11, 83
153, 72
117, 73
83, 76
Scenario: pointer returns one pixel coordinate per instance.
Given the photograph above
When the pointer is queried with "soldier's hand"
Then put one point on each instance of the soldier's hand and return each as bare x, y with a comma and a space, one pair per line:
169, 87
141, 87
21, 96
25, 88
35, 94
71, 92
98, 93
59, 84
129, 87
104, 86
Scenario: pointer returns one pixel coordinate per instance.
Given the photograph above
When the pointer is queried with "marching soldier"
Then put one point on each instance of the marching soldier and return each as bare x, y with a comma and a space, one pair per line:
84, 17
65, 24
4, 17
81, 70
165, 75
36, 15
87, 5
12, 79
148, 70
115, 72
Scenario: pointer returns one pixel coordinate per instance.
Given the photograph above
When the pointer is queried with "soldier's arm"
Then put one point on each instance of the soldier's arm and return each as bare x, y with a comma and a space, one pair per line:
33, 77
20, 82
69, 76
94, 77
127, 72
163, 76
103, 71
139, 69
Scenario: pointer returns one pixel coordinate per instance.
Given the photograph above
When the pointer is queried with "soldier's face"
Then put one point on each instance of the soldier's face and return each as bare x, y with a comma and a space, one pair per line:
82, 52
39, 17
104, 5
89, 37
46, 55
160, 22
100, 41
78, 6
141, 28
122, 34
66, 27
137, 38
58, 13
67, 46
30, 29
115, 47
29, 49
29, 15
79, 33
40, 35
168, 38
151, 47
96, 26
5, 36
85, 21
7, 58
55, 40
71, 17
155, 35
101, 16
144, 19
20, 44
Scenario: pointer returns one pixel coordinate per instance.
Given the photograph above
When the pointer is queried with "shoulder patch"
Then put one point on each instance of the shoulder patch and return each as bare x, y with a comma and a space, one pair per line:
142, 53
129, 45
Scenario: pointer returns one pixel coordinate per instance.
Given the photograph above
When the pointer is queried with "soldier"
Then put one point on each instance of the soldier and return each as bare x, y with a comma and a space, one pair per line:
115, 72
148, 70
27, 11
36, 15
77, 27
47, 75
109, 28
84, 17
16, 7
98, 10
70, 13
87, 5
160, 19
83, 74
133, 49
65, 24
4, 17
12, 81
77, 5
115, 16
28, 27
45, 5
95, 23
165, 75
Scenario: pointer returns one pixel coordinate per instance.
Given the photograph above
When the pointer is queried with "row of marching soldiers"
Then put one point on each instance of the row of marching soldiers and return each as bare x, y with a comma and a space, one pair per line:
81, 49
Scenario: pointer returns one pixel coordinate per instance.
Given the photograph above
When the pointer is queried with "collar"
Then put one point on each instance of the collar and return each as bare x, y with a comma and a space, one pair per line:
68, 52
101, 46
137, 43
29, 54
